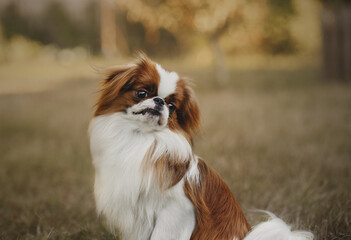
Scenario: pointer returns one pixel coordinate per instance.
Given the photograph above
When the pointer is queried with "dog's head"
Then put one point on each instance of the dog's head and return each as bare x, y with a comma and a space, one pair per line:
150, 96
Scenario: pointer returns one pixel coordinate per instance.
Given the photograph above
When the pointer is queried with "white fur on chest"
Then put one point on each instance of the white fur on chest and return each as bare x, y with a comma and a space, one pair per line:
131, 203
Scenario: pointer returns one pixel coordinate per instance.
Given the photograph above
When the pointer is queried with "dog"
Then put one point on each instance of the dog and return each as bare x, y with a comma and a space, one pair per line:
149, 184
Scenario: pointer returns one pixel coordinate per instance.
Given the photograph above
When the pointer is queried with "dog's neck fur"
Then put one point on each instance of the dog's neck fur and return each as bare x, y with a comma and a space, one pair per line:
129, 193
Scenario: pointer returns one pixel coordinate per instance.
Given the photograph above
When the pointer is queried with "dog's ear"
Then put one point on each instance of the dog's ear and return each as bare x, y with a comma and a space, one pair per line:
118, 79
189, 114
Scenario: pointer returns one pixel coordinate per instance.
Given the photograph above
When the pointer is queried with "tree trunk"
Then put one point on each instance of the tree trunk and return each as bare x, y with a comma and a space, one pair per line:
336, 30
347, 42
108, 28
220, 70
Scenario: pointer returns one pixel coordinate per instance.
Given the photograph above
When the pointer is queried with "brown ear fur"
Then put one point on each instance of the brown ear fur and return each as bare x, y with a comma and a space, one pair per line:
189, 113
117, 79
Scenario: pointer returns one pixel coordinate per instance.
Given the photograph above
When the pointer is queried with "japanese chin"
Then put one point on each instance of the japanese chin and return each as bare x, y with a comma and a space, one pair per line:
149, 184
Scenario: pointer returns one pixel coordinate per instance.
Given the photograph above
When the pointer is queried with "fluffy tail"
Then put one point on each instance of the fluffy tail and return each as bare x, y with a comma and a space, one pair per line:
276, 229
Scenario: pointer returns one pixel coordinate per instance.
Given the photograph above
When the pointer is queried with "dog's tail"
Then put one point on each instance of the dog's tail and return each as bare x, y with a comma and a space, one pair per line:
276, 229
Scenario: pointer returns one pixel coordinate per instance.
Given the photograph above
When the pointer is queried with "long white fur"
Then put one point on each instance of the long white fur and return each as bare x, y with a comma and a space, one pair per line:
168, 81
276, 229
134, 206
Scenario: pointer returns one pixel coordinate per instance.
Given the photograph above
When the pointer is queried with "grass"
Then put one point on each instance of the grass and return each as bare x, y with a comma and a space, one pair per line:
281, 139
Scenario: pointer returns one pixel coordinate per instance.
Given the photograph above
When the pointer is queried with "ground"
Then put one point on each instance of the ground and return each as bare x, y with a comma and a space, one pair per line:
281, 139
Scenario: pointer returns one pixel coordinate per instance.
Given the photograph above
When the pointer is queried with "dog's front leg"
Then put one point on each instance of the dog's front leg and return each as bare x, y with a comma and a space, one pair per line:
176, 221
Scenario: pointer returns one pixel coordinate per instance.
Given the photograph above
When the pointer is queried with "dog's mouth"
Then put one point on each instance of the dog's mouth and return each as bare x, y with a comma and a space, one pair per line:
150, 111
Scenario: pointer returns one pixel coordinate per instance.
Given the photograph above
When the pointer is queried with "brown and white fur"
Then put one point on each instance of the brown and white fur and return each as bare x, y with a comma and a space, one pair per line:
148, 182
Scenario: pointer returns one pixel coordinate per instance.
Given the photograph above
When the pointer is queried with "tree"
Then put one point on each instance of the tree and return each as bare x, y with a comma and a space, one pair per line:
13, 21
213, 19
336, 30
108, 28
59, 26
181, 17
277, 38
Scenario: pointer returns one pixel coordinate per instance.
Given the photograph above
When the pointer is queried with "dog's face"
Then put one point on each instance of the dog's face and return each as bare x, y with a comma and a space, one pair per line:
150, 96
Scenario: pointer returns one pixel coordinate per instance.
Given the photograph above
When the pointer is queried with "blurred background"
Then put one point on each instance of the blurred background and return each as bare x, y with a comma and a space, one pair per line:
272, 79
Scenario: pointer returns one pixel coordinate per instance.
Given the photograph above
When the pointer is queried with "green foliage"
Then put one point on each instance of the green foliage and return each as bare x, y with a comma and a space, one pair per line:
338, 3
283, 7
64, 30
277, 38
55, 26
166, 43
13, 21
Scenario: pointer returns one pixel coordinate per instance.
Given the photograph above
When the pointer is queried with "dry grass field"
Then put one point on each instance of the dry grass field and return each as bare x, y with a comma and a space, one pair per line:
281, 139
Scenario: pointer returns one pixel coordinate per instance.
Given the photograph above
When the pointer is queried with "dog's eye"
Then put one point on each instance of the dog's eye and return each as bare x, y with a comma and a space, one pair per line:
141, 94
171, 108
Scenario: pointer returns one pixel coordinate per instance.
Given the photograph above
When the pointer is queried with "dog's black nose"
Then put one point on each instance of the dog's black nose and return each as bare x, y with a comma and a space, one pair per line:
159, 101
